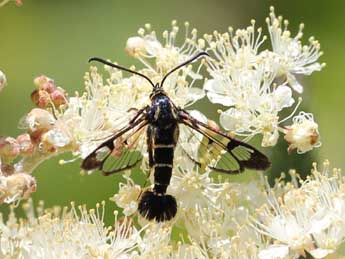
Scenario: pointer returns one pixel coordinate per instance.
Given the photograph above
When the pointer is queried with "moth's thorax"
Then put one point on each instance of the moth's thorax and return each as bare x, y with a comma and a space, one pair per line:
162, 112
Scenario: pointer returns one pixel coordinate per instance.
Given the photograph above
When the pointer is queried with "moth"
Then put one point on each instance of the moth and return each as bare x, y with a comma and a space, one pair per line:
161, 122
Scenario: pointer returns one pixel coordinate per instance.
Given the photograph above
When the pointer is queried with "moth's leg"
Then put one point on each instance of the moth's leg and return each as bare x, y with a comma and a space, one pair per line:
150, 145
150, 152
139, 112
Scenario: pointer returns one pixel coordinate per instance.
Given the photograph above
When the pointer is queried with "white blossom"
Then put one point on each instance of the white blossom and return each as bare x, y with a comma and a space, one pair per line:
306, 218
16, 187
74, 233
127, 197
9, 147
294, 57
38, 120
217, 218
159, 57
254, 84
303, 134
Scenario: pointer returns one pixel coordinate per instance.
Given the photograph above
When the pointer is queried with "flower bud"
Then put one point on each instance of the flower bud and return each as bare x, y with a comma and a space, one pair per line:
40, 80
303, 134
40, 98
16, 186
37, 122
9, 147
135, 45
127, 197
6, 169
43, 99
58, 97
48, 86
26, 146
39, 119
19, 3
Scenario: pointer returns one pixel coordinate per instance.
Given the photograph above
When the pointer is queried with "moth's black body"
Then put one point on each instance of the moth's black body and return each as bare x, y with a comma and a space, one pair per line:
162, 120
162, 136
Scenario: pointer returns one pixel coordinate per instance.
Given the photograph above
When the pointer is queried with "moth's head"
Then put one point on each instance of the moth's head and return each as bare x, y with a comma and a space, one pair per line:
157, 89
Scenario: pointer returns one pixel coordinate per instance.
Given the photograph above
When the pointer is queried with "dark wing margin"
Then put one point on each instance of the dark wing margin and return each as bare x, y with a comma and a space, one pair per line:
119, 152
235, 155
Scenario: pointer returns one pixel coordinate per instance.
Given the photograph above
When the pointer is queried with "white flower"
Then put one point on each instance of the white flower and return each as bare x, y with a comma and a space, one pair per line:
244, 81
249, 81
160, 57
3, 80
294, 58
38, 120
235, 51
254, 103
190, 187
274, 251
25, 143
166, 54
155, 242
327, 189
128, 196
248, 249
303, 134
56, 138
135, 45
306, 218
214, 217
9, 147
16, 187
186, 251
103, 108
290, 226
74, 233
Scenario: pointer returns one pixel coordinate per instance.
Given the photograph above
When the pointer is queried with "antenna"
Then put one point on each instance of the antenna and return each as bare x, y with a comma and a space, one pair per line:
121, 68
183, 64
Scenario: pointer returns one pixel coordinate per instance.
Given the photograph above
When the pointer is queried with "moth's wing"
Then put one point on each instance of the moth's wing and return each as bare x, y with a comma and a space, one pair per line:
120, 152
207, 146
207, 153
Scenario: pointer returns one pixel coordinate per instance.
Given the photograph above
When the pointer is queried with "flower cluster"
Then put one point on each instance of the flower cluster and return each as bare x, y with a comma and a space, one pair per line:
257, 85
291, 221
47, 93
306, 218
216, 218
66, 233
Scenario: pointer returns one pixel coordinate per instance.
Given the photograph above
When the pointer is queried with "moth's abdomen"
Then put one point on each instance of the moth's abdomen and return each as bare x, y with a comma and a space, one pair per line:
153, 206
156, 204
163, 156
163, 164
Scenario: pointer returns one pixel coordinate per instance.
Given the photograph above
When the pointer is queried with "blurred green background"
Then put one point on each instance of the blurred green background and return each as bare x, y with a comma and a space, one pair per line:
56, 38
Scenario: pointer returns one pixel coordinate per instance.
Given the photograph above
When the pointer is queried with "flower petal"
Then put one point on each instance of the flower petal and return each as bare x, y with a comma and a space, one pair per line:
294, 83
320, 252
217, 93
234, 119
283, 97
274, 251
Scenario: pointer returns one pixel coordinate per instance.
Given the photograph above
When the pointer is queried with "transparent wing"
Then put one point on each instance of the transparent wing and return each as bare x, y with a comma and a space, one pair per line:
120, 152
210, 147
